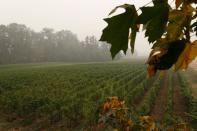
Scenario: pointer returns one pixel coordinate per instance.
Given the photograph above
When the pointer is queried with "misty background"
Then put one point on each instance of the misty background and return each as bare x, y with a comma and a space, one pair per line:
53, 30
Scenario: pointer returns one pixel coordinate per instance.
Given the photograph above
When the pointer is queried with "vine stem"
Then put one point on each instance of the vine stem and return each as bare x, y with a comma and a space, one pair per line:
152, 2
145, 5
187, 31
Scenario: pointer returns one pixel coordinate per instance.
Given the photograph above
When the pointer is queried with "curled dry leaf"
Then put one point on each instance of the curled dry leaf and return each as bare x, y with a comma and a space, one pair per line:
163, 59
154, 59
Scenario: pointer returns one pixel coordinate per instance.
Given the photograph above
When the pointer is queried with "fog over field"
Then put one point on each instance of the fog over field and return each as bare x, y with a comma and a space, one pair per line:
82, 17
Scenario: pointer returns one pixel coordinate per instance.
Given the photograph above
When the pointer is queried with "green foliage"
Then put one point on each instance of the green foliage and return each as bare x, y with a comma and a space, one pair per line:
168, 117
117, 31
190, 101
149, 99
139, 91
67, 94
155, 20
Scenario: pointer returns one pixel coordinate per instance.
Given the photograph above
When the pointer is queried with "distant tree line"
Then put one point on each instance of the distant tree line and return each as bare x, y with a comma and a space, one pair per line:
20, 44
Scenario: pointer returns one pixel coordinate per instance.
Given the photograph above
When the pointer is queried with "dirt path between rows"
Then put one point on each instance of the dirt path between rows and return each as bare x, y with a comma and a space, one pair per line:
191, 75
179, 104
158, 109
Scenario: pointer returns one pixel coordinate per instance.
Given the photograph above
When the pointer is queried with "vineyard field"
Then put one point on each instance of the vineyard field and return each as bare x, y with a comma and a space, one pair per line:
59, 96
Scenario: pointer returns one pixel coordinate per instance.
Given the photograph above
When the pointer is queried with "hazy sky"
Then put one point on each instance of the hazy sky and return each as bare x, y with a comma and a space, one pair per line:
82, 17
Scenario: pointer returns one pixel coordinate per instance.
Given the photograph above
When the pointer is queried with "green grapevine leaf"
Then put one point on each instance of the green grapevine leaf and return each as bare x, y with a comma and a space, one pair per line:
117, 31
155, 2
155, 19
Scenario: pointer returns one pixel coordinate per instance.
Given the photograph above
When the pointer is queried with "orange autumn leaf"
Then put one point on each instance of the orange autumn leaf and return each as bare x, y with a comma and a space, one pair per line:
114, 98
106, 106
130, 123
115, 103
151, 70
187, 56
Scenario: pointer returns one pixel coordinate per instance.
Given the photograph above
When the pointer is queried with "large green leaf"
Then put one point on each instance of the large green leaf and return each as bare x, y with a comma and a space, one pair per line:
117, 31
155, 19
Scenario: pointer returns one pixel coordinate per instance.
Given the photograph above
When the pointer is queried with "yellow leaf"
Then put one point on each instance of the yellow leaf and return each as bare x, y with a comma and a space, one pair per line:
187, 56
147, 122
177, 20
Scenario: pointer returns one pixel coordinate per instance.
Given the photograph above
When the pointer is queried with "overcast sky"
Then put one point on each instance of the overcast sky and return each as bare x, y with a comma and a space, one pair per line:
82, 17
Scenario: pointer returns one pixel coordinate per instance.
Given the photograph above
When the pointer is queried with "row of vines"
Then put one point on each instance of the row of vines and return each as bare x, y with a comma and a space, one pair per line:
71, 97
